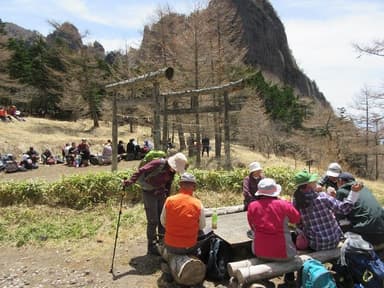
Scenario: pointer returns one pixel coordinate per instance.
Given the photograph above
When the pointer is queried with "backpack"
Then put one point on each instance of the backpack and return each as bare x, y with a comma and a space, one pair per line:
11, 166
313, 274
151, 155
145, 179
218, 258
362, 262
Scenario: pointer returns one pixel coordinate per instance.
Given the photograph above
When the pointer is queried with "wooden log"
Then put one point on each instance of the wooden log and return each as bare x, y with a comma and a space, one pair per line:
224, 210
187, 270
273, 269
232, 267
166, 72
232, 86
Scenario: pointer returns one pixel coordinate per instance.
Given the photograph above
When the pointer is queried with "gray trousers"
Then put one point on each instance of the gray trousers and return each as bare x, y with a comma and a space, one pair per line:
153, 205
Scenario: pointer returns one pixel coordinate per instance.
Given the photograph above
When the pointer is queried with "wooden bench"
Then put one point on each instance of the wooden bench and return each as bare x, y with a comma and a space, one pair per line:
252, 270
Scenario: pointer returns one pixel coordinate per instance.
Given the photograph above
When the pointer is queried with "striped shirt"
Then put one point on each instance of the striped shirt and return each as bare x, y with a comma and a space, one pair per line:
319, 222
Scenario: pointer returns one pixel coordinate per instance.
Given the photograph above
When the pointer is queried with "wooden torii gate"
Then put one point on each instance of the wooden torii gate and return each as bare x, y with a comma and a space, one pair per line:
153, 77
219, 90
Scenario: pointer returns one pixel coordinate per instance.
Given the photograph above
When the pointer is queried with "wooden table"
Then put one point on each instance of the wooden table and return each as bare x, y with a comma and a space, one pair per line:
232, 228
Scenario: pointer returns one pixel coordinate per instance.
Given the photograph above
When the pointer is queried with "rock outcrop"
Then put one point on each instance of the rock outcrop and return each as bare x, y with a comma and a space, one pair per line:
263, 35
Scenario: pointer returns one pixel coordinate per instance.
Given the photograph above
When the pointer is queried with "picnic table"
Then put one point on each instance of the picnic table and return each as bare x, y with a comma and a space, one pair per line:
233, 228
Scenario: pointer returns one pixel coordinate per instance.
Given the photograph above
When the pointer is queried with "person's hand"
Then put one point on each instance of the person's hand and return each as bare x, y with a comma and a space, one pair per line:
125, 183
331, 191
318, 188
356, 187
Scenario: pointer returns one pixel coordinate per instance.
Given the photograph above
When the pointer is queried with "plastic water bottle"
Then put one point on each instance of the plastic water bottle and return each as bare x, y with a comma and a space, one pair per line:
214, 219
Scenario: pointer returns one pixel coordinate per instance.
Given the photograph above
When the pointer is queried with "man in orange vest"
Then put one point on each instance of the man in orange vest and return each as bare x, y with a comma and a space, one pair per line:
183, 216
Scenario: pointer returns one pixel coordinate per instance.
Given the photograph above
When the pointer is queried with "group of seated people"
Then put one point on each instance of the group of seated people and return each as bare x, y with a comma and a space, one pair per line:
315, 213
77, 155
29, 160
133, 151
317, 208
10, 113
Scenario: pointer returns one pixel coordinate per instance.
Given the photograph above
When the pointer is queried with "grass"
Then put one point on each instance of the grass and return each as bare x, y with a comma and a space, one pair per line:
41, 225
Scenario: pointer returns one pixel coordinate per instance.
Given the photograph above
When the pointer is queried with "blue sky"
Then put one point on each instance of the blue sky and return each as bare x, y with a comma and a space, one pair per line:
320, 33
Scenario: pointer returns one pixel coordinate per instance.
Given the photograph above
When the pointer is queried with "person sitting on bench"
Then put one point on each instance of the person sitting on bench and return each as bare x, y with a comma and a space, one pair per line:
367, 216
182, 217
318, 210
268, 218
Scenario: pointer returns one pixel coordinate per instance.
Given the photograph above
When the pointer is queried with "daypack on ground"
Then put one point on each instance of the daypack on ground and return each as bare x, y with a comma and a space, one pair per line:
11, 166
218, 258
313, 274
362, 262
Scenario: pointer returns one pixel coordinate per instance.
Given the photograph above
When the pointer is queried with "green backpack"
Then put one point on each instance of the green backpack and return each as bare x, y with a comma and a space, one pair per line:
315, 275
151, 155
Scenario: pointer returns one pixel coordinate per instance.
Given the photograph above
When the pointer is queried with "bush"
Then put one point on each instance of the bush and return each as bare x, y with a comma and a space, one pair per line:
81, 191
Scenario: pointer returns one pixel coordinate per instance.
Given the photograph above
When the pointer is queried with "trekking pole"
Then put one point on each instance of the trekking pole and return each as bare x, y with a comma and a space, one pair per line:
117, 230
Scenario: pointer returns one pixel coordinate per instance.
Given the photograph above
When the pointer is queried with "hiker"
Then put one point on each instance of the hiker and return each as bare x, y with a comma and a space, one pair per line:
120, 150
147, 146
155, 179
133, 149
329, 179
3, 114
48, 158
26, 163
205, 144
318, 210
367, 215
33, 155
250, 183
106, 154
268, 217
65, 152
182, 217
84, 152
72, 154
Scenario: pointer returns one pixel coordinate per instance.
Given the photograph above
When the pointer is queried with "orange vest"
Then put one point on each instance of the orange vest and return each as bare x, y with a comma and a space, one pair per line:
182, 220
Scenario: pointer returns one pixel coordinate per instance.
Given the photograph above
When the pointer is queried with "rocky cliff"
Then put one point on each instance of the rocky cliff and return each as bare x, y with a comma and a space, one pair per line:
263, 35
249, 25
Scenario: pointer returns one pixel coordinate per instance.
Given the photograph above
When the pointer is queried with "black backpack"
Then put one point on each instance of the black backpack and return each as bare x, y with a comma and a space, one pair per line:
218, 258
361, 262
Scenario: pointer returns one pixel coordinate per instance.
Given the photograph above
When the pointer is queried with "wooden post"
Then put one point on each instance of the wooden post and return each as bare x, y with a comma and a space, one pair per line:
165, 123
227, 136
114, 132
156, 115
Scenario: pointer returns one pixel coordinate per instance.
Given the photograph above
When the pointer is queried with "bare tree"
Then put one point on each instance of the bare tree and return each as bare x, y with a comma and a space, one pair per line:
375, 48
368, 106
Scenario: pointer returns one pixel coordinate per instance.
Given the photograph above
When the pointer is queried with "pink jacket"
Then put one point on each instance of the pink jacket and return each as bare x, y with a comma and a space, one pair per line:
268, 217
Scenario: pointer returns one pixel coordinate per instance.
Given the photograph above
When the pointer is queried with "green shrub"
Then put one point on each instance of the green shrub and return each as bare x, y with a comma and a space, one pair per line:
27, 192
81, 191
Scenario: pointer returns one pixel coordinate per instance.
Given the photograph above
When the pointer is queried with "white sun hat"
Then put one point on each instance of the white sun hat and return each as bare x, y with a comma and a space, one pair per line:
334, 169
178, 162
254, 166
268, 187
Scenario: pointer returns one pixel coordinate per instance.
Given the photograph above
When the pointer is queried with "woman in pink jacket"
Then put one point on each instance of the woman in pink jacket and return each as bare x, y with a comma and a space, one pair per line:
268, 217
